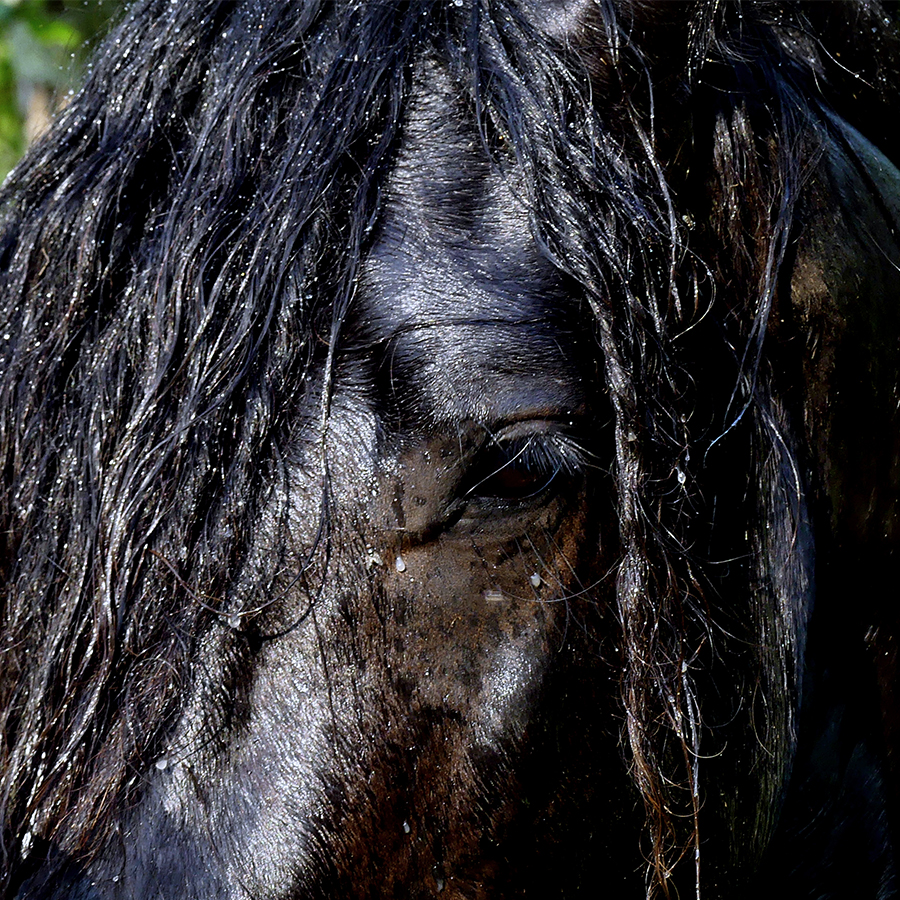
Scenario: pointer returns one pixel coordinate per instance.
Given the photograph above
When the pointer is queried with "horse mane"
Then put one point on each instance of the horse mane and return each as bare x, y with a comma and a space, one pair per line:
178, 257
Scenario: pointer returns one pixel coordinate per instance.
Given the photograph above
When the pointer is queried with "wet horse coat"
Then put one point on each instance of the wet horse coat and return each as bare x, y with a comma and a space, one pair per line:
452, 448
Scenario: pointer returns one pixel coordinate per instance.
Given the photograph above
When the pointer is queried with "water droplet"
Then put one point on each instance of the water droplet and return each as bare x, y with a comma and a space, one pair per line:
234, 621
373, 558
406, 828
162, 763
681, 476
440, 881
535, 580
400, 564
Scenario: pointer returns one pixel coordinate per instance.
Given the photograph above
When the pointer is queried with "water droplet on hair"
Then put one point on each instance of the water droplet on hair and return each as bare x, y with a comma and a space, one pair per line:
440, 881
681, 476
406, 828
535, 580
234, 621
400, 564
162, 763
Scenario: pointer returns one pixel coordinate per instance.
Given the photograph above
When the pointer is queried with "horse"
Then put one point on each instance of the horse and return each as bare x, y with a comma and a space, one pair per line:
451, 447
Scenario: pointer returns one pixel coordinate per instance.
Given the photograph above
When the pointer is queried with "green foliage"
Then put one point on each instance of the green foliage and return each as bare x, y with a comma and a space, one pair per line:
43, 47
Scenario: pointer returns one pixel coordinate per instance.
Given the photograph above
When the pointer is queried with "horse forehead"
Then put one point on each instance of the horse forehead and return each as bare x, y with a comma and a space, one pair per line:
485, 334
455, 234
455, 287
498, 285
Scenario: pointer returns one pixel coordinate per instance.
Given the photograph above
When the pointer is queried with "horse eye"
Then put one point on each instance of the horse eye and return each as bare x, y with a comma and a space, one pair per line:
517, 470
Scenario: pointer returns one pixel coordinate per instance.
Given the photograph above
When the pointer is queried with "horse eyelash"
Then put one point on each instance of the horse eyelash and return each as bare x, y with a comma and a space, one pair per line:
549, 454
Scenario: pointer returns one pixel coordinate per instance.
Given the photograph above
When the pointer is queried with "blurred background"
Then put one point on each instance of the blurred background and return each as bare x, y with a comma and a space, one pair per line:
44, 46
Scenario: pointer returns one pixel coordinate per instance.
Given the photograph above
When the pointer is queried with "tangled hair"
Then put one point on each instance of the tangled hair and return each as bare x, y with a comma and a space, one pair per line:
178, 256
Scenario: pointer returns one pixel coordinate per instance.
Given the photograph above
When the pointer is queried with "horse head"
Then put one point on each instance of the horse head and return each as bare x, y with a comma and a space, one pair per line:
451, 447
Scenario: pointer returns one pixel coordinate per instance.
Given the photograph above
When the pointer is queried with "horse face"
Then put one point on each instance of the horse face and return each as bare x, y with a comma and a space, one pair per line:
431, 645
395, 661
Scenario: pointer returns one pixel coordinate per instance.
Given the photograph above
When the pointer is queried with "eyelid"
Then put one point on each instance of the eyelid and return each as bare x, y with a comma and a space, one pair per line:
551, 452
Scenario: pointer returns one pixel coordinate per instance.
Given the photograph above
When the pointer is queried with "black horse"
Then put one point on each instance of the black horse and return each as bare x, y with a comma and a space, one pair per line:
451, 446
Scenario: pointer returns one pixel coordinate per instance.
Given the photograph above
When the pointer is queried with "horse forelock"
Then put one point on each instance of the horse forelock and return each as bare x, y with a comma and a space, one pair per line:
182, 253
